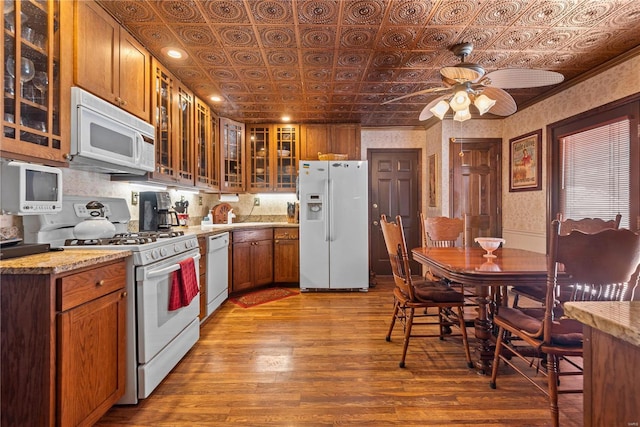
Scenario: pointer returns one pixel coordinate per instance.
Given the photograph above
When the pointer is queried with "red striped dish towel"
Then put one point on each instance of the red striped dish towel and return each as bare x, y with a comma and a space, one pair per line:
184, 285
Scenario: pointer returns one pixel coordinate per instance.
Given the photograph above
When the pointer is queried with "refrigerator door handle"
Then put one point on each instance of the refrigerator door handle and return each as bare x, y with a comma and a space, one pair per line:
331, 203
327, 217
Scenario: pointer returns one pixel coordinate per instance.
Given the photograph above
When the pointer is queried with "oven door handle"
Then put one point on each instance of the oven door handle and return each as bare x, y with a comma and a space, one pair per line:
166, 270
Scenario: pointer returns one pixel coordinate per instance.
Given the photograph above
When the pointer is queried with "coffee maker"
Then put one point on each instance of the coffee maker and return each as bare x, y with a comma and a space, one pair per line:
155, 211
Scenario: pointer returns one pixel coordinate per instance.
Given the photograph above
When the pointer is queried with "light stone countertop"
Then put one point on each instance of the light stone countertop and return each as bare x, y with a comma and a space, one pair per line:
57, 262
620, 319
200, 230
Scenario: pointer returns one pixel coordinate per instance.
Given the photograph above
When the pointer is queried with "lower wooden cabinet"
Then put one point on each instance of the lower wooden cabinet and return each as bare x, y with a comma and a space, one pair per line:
252, 259
63, 345
286, 256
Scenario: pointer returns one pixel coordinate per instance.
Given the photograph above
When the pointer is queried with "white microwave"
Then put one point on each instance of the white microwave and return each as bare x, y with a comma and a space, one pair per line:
30, 189
107, 139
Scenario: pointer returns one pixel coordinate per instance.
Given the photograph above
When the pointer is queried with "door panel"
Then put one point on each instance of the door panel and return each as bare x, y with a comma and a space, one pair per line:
394, 182
476, 184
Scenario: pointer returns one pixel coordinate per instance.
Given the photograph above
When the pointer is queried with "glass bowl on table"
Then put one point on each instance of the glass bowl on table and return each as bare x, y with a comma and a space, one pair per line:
489, 244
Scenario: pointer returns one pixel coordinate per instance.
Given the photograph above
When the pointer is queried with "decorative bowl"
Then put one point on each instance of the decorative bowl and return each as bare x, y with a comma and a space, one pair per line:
284, 153
489, 244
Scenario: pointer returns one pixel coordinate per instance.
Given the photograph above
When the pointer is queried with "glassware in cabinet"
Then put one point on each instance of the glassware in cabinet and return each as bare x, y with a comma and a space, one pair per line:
259, 157
33, 109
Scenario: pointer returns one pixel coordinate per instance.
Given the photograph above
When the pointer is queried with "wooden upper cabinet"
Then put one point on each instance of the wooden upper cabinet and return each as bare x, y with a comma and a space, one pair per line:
109, 62
231, 156
272, 157
207, 150
334, 138
184, 135
36, 119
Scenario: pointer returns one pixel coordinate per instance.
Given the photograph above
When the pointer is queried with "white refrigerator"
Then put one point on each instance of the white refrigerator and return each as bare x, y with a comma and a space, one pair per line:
334, 238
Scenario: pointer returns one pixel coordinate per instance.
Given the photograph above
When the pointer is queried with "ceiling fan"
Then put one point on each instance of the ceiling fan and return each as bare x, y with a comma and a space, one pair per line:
468, 84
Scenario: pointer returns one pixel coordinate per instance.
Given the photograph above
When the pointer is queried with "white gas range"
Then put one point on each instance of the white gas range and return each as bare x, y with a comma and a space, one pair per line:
157, 339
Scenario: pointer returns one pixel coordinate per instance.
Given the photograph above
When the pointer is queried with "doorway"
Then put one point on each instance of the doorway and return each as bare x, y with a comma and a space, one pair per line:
475, 168
394, 186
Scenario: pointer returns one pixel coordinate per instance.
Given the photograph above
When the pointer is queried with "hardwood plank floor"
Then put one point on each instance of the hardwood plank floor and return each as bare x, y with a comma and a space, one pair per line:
321, 359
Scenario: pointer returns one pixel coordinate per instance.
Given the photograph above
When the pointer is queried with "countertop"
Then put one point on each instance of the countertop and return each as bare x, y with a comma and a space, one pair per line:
221, 228
57, 262
620, 319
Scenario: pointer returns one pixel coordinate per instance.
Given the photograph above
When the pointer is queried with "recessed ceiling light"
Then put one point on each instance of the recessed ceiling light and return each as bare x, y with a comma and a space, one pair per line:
174, 52
286, 118
216, 98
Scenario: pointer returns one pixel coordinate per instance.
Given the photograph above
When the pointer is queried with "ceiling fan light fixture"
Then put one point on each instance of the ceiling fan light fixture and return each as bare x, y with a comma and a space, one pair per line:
460, 101
440, 109
483, 103
462, 115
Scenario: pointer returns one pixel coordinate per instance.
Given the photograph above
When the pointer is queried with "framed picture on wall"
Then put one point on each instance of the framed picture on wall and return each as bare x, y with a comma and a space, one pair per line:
432, 165
525, 162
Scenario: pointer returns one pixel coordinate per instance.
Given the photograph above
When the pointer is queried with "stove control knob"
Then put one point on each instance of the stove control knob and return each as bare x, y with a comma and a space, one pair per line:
155, 254
176, 248
163, 251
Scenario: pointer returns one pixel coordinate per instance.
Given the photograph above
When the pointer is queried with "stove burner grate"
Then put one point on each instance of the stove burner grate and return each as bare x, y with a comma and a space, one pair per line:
133, 238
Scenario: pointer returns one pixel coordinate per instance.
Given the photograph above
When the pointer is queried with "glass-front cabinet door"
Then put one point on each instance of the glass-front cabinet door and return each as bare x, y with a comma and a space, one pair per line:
286, 157
184, 138
231, 138
258, 167
272, 158
164, 111
35, 40
206, 148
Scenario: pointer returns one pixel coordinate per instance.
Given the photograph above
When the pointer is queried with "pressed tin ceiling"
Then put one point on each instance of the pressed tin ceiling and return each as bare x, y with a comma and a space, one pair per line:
324, 61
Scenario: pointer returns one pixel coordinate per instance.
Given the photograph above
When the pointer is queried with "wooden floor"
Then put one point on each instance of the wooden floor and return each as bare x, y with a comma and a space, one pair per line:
321, 359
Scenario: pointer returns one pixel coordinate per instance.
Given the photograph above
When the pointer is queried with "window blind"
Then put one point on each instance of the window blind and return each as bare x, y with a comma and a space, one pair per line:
595, 173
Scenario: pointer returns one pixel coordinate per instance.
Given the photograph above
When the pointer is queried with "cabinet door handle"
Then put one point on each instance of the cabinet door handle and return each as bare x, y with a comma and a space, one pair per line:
123, 103
124, 294
100, 283
118, 100
277, 241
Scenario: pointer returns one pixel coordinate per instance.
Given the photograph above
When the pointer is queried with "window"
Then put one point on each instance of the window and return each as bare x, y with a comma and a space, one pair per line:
595, 164
594, 175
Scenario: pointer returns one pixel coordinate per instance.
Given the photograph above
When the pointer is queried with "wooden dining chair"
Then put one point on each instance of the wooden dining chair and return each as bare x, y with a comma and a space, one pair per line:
441, 231
586, 267
410, 294
586, 225
445, 232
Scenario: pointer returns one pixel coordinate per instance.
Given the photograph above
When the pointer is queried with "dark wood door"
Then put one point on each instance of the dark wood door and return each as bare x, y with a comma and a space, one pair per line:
394, 183
476, 189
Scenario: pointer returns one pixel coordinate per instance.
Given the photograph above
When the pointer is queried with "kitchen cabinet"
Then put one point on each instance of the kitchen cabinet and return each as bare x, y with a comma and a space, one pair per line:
252, 259
184, 136
63, 355
286, 255
207, 149
232, 156
202, 264
174, 107
36, 101
109, 62
272, 158
343, 138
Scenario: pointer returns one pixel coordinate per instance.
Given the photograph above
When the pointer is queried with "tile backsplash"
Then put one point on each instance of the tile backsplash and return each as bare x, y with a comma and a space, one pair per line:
273, 207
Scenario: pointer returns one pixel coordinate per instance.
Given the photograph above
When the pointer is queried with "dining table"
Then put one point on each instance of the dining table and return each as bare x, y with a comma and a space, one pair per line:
490, 276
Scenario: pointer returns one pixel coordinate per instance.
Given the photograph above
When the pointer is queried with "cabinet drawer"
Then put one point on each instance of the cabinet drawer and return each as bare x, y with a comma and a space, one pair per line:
285, 233
252, 235
79, 288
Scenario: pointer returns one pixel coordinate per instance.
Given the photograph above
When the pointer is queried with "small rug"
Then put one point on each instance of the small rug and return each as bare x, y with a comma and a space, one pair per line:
262, 296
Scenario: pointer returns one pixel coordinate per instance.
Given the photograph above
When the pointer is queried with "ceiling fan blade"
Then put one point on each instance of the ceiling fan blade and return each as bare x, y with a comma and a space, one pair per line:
517, 78
462, 72
426, 113
420, 92
505, 104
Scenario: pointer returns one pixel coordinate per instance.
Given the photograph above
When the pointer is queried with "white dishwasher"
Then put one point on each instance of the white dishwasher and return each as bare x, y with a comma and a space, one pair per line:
217, 271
